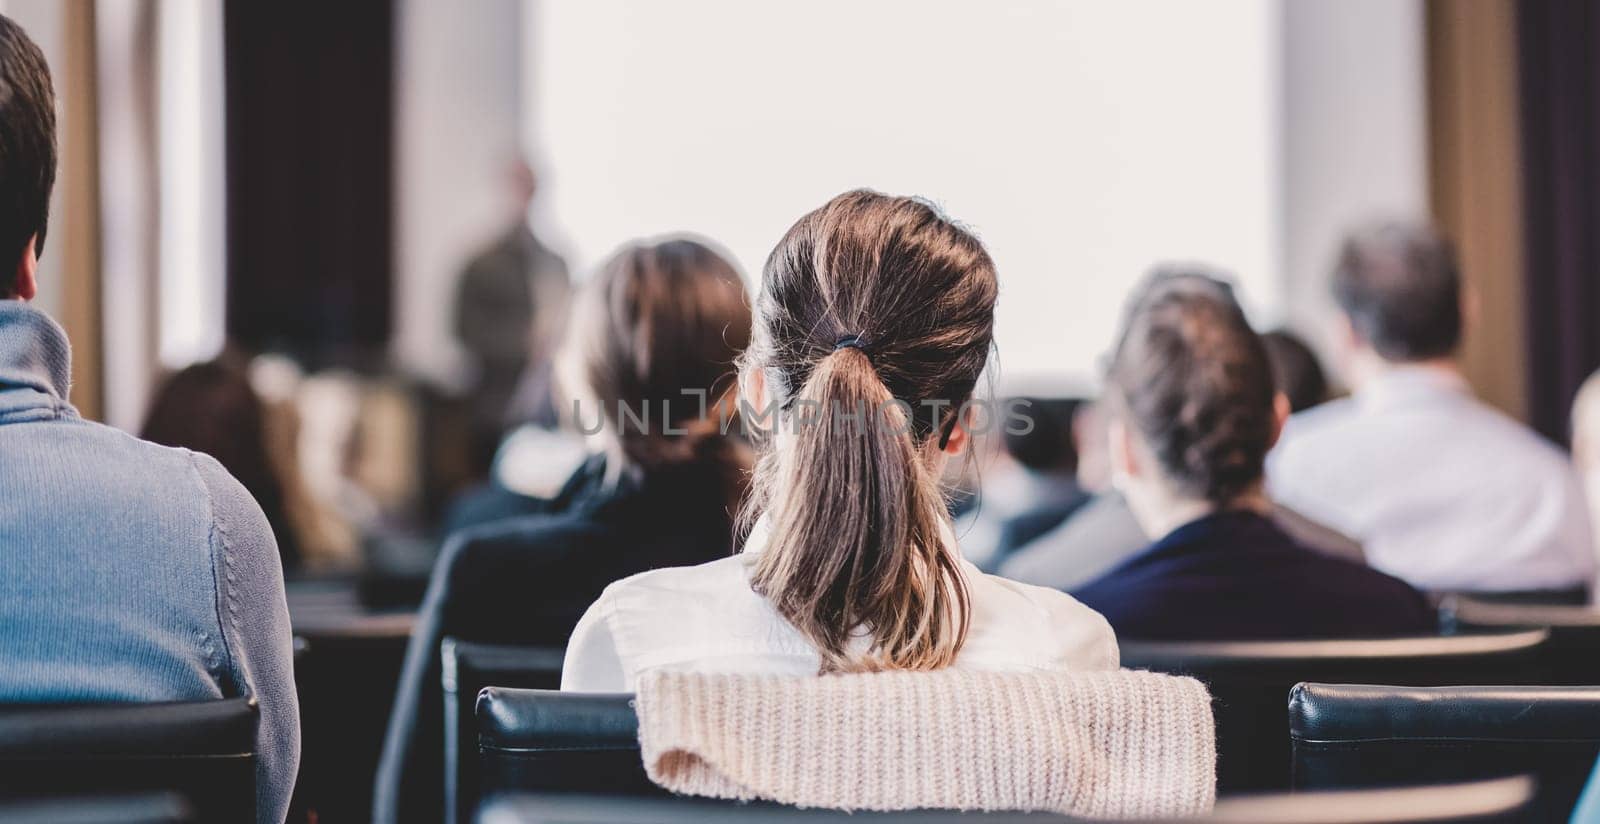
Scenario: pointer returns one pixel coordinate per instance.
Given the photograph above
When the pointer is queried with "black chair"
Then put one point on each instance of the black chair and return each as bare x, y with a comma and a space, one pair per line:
1371, 736
1505, 800
466, 669
153, 808
345, 672
1249, 681
203, 751
1571, 656
547, 741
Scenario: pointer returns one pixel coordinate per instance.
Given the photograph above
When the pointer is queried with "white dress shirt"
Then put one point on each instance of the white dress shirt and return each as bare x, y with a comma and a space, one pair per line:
707, 618
1440, 489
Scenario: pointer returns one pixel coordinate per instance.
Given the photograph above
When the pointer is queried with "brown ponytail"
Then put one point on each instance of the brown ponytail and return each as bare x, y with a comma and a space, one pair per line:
875, 315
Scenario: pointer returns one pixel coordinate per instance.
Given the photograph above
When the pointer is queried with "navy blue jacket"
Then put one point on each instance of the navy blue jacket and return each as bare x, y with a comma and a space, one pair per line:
1236, 576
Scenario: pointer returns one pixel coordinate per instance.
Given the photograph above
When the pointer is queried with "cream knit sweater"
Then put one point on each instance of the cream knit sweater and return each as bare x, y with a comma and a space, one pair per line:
1115, 744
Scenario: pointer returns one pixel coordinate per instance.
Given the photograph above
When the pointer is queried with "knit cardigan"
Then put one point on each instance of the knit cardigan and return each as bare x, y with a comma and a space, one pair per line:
1116, 744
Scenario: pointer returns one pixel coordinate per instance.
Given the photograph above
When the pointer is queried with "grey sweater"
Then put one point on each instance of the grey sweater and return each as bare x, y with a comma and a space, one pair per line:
131, 572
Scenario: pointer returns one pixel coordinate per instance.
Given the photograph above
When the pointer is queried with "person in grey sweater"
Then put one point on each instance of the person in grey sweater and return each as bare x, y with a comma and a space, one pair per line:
129, 572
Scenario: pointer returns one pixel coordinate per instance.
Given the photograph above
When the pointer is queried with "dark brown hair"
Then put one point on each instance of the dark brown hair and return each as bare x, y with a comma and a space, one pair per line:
660, 320
27, 148
867, 302
1401, 289
211, 407
1192, 377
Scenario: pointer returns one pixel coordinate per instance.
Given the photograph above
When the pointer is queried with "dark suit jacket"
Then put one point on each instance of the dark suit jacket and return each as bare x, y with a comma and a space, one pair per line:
527, 580
1237, 576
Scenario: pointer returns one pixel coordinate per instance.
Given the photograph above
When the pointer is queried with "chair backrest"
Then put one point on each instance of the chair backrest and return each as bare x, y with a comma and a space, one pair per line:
1349, 736
203, 751
1250, 681
548, 741
1504, 800
346, 675
1567, 658
466, 668
145, 808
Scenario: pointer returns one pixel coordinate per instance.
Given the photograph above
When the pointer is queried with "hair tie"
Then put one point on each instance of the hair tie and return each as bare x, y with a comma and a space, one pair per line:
858, 342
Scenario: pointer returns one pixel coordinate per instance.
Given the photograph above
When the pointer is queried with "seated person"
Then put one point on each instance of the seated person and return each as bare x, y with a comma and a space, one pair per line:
1030, 489
1193, 412
1440, 489
874, 318
132, 572
659, 322
1103, 532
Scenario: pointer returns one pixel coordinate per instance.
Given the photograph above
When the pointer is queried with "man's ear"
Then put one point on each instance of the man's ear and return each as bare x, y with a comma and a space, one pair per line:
1280, 416
27, 279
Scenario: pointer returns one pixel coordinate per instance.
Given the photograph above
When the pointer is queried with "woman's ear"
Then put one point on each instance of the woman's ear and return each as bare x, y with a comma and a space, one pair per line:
960, 434
753, 385
1121, 452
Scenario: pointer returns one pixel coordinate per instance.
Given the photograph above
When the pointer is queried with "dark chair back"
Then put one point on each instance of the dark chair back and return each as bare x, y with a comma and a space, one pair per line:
204, 751
1502, 802
1571, 656
1250, 681
1349, 736
466, 669
145, 808
546, 741
346, 675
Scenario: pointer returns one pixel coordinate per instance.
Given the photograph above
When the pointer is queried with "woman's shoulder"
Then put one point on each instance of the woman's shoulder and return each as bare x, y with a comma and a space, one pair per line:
721, 578
1054, 627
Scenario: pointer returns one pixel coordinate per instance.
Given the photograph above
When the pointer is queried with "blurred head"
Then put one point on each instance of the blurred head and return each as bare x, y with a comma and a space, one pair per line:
1048, 445
27, 159
1400, 289
1295, 370
1191, 399
648, 358
880, 307
212, 408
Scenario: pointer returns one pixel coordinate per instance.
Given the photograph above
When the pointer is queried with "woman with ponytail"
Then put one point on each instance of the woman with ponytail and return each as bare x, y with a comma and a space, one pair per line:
873, 321
1193, 411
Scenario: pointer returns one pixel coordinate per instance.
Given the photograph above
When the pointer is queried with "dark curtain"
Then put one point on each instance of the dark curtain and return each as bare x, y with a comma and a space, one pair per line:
1560, 129
309, 145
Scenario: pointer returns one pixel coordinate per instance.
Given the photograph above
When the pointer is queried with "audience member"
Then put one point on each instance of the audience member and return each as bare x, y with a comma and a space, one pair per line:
133, 572
1104, 532
1029, 489
875, 313
659, 323
1440, 489
212, 409
1193, 412
1296, 370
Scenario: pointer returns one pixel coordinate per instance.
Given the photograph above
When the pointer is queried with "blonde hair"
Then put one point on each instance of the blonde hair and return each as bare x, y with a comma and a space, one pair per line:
871, 308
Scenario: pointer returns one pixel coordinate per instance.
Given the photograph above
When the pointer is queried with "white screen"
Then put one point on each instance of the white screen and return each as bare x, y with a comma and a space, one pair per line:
1082, 141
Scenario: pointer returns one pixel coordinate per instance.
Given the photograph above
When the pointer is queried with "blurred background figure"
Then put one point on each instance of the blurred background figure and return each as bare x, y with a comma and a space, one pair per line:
1030, 487
1193, 411
658, 486
1295, 369
1442, 490
211, 408
511, 301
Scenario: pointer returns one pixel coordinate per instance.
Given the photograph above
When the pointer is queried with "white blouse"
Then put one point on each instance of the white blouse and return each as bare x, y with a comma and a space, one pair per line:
707, 618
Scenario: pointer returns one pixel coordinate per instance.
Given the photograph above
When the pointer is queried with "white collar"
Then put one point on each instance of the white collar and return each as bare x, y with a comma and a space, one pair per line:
761, 535
1397, 385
